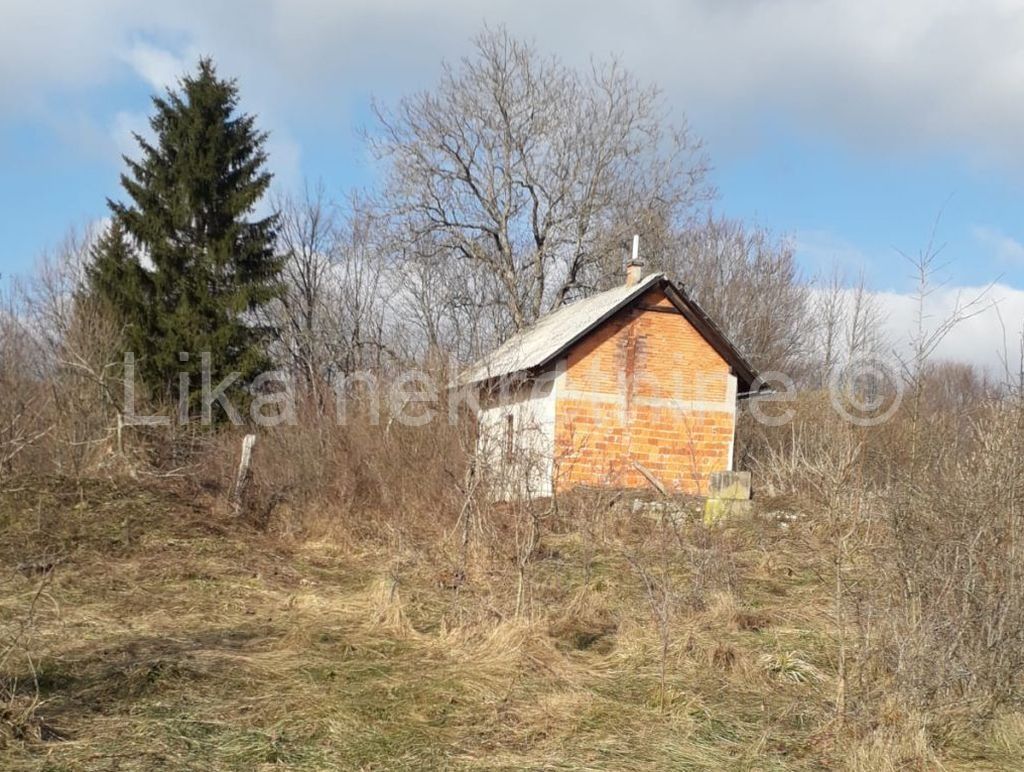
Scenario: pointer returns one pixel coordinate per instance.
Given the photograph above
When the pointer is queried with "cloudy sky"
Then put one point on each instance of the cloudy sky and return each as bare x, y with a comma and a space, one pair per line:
848, 125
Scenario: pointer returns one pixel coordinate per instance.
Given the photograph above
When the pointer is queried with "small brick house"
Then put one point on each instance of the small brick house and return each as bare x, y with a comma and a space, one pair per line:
630, 384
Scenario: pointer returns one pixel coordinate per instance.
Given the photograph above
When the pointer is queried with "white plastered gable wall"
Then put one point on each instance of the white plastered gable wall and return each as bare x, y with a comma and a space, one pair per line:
528, 471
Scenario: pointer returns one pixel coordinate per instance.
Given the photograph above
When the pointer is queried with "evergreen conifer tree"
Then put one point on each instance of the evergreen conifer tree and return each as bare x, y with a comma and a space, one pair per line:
209, 265
115, 277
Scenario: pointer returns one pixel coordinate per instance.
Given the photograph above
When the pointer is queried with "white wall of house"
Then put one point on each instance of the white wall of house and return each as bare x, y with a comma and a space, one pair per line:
527, 467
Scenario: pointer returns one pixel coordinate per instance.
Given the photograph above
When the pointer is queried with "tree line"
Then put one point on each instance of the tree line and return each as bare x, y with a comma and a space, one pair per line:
508, 189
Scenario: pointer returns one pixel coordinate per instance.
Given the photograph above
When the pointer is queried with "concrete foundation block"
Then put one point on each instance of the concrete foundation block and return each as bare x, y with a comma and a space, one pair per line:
734, 486
728, 495
720, 509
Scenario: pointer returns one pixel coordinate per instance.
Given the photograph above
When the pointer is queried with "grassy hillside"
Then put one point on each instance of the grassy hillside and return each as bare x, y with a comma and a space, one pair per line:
146, 629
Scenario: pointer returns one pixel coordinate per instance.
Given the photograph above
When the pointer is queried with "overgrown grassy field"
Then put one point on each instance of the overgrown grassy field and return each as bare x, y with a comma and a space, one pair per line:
146, 630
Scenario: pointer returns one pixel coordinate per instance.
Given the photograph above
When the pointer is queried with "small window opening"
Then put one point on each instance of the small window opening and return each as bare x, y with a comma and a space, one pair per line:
509, 437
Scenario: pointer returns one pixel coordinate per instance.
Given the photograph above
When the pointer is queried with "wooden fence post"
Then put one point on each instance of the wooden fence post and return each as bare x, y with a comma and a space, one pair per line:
242, 480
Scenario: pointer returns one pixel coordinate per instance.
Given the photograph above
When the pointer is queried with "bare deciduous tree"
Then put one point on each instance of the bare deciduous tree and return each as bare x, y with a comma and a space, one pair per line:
845, 324
24, 400
748, 281
363, 284
59, 366
530, 174
307, 238
332, 315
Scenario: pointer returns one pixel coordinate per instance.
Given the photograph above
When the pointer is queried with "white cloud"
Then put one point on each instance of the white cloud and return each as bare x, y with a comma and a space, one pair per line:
988, 335
984, 339
1006, 249
157, 66
912, 74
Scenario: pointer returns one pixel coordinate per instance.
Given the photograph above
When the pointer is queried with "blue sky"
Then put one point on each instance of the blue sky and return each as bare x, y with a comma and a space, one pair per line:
849, 127
860, 209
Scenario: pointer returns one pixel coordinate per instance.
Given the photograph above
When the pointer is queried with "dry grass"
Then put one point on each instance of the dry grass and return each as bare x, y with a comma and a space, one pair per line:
170, 636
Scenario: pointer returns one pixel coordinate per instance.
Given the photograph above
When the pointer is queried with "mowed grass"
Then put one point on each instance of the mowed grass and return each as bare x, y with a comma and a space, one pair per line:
167, 635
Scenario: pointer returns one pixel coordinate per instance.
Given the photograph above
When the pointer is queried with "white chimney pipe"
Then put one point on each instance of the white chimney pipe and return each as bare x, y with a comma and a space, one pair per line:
635, 266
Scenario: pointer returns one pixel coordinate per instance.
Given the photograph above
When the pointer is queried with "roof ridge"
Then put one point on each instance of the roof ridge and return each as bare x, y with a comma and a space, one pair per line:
521, 352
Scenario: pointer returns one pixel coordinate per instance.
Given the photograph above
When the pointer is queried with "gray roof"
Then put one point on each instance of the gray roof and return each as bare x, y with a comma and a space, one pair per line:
537, 345
552, 334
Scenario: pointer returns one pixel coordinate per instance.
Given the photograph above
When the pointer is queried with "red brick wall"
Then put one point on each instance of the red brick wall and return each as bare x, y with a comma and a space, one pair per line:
645, 388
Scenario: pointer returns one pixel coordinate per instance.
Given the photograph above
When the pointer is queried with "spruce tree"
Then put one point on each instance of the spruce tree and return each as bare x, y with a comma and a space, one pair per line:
115, 277
209, 265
